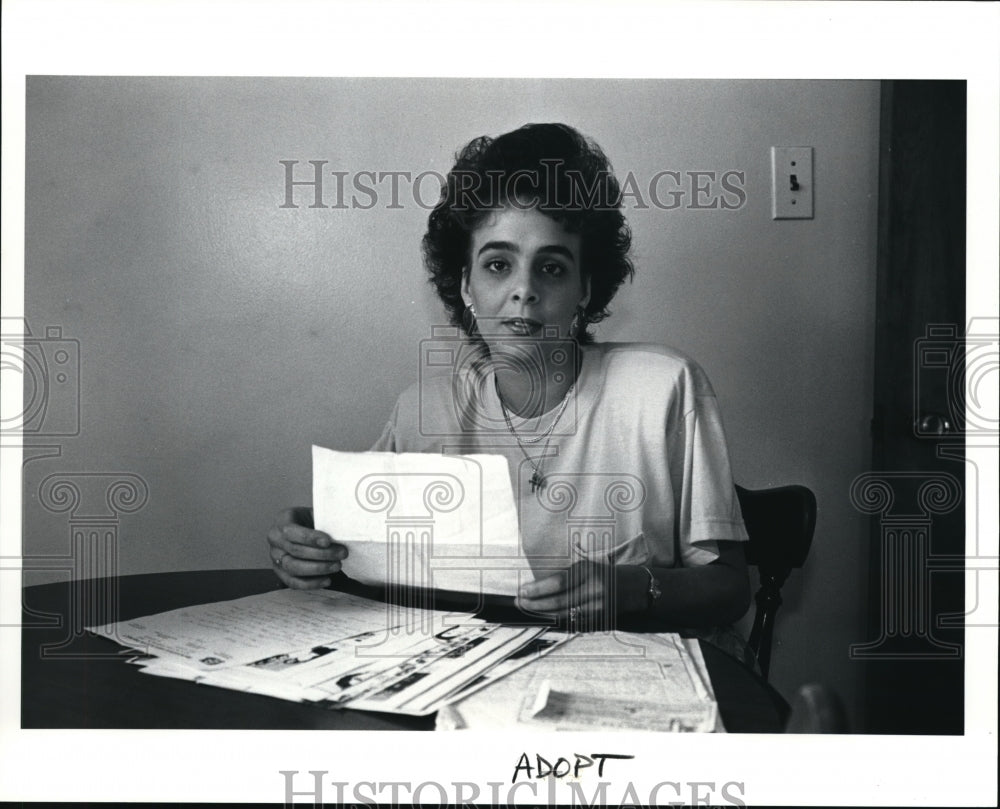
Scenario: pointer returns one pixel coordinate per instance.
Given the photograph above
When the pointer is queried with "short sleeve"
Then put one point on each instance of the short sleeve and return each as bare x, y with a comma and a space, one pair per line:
387, 441
708, 508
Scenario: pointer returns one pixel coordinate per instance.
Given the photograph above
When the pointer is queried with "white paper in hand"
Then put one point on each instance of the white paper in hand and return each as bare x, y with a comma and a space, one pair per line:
446, 522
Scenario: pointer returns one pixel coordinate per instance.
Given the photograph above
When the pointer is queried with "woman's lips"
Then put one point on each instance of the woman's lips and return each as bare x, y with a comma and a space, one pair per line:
524, 327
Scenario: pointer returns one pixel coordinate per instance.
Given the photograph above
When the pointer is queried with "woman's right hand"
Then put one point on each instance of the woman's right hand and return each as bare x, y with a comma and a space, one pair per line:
303, 558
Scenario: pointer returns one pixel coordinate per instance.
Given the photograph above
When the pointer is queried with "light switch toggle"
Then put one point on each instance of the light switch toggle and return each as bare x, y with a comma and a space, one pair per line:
791, 182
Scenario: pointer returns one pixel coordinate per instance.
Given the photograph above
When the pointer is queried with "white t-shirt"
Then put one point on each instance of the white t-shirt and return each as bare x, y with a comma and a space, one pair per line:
636, 469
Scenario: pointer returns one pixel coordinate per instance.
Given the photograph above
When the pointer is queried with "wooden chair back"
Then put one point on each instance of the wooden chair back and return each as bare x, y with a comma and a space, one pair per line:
780, 523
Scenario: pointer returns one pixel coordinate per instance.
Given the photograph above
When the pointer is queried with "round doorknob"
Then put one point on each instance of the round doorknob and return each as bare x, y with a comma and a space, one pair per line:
934, 424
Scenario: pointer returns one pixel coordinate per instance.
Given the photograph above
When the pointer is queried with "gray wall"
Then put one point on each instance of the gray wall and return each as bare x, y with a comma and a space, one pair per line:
221, 335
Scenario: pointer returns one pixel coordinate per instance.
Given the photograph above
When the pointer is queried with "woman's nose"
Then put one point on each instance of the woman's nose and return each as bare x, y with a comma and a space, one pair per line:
523, 289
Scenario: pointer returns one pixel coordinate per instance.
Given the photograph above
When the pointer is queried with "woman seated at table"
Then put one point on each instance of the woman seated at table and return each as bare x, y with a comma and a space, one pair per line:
526, 249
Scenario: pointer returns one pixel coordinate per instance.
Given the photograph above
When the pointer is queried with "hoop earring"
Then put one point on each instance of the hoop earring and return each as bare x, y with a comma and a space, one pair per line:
469, 320
574, 324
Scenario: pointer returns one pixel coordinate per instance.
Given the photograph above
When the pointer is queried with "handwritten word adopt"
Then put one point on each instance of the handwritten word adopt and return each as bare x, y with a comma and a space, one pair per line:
562, 766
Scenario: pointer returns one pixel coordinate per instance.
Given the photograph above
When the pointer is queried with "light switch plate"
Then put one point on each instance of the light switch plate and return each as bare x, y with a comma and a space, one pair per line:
791, 182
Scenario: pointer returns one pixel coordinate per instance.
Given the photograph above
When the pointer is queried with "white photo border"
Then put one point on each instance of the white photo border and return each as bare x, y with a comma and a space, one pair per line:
510, 39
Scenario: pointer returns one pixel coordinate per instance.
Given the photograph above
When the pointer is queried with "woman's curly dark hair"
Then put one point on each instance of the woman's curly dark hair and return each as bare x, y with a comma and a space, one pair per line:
552, 167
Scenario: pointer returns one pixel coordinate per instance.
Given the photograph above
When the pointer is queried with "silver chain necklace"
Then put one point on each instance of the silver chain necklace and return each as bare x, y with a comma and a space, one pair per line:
537, 480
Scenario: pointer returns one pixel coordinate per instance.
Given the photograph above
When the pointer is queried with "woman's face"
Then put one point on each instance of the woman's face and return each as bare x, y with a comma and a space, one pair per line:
523, 276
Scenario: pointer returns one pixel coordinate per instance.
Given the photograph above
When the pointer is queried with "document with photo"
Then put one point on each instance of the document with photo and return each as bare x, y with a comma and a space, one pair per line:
244, 630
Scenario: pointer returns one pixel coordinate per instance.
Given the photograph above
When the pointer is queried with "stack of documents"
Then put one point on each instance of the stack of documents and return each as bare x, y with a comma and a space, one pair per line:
331, 648
606, 681
450, 522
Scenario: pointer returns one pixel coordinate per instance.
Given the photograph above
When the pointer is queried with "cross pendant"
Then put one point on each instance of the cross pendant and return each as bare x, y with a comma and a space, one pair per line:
537, 481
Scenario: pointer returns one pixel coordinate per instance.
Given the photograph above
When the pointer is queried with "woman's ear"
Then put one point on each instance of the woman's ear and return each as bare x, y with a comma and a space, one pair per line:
466, 295
586, 293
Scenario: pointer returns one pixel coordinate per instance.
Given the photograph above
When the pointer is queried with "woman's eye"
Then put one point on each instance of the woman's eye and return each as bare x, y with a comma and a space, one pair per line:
496, 265
552, 268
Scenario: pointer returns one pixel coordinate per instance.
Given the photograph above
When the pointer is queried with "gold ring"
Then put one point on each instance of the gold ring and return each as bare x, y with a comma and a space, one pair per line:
280, 560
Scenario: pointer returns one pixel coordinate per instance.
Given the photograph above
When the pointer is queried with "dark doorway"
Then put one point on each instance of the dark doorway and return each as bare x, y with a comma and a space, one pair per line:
914, 658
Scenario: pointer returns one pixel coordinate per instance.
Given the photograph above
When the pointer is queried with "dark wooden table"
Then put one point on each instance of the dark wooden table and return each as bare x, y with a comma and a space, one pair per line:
70, 679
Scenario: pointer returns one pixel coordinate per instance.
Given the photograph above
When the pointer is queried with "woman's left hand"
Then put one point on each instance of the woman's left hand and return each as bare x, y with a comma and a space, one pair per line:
587, 594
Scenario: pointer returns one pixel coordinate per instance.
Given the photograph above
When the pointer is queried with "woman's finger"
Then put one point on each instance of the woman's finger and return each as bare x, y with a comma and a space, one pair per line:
304, 543
291, 573
561, 602
547, 586
304, 568
307, 537
296, 583
301, 535
547, 604
577, 587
